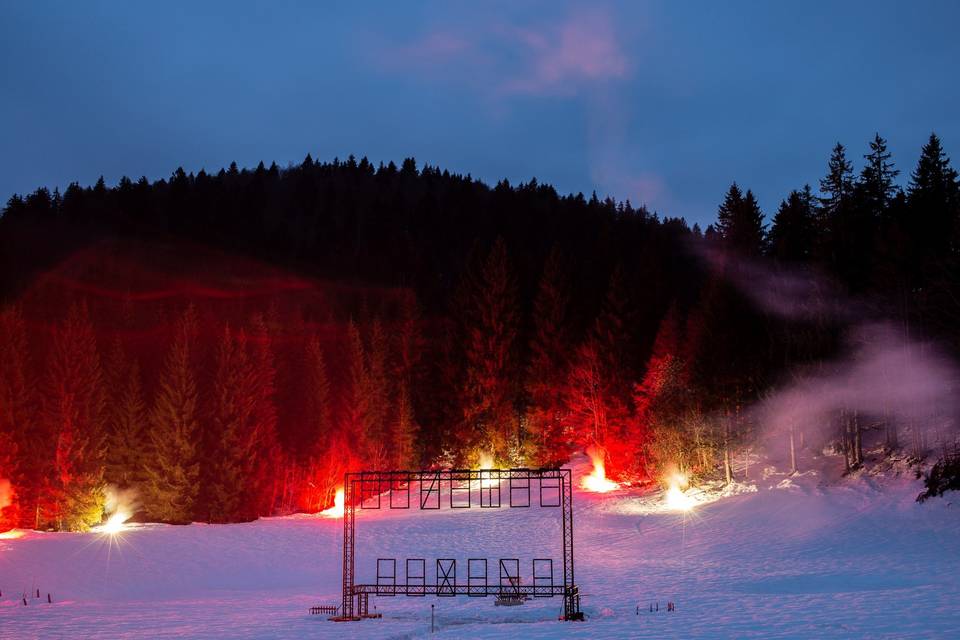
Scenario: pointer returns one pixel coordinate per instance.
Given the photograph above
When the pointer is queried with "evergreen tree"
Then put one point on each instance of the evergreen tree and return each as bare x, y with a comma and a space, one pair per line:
740, 221
491, 322
126, 418
172, 478
377, 392
75, 411
792, 233
408, 378
354, 428
126, 441
323, 473
933, 198
657, 438
265, 449
547, 419
837, 194
876, 187
23, 454
233, 433
598, 393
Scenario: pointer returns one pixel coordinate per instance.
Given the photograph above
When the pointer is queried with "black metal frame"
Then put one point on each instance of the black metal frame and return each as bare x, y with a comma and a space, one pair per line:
365, 489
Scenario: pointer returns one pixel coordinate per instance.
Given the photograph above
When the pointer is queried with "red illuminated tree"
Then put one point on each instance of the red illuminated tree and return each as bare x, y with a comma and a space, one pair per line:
598, 391
75, 413
317, 488
263, 480
490, 318
172, 476
407, 374
126, 422
21, 448
229, 493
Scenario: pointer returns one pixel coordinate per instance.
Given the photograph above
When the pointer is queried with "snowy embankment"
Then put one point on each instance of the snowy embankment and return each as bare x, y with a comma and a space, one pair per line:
791, 559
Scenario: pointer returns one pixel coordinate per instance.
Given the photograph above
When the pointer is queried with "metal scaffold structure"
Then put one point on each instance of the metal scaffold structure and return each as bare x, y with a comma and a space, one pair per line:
371, 489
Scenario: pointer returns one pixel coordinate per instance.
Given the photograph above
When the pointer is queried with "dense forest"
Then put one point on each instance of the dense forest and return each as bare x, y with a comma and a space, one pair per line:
226, 345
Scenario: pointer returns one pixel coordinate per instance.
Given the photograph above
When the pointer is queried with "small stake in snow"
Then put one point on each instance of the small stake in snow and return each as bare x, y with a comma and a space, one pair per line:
49, 599
431, 618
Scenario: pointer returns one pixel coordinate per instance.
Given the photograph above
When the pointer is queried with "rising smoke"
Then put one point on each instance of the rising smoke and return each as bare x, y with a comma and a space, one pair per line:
888, 378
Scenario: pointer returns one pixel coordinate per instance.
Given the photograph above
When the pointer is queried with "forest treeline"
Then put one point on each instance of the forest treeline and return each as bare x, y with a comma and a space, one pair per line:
506, 321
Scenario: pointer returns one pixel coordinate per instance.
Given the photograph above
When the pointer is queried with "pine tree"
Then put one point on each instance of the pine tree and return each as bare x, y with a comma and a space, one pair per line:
75, 410
408, 376
126, 418
405, 429
740, 221
126, 462
323, 474
233, 433
792, 233
491, 323
658, 402
835, 203
354, 427
547, 419
172, 477
318, 397
598, 393
933, 198
23, 456
837, 185
377, 391
265, 454
876, 186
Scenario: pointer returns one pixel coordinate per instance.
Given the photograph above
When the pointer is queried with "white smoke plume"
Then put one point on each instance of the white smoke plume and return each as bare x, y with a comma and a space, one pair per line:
887, 377
120, 501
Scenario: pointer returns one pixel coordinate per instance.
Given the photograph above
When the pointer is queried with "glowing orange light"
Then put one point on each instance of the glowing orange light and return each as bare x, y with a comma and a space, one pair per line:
597, 481
675, 498
13, 534
336, 511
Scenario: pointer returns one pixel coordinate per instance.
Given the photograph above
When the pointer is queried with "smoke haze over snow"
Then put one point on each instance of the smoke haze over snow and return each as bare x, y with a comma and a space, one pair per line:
883, 374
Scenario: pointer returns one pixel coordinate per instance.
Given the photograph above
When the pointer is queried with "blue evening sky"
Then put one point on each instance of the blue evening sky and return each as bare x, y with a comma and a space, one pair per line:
660, 102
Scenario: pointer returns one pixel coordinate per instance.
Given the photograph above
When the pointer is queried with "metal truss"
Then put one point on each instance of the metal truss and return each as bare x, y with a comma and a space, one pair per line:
365, 490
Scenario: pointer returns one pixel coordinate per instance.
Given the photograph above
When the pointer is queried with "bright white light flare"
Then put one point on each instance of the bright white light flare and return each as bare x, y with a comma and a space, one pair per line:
336, 511
675, 499
115, 523
486, 462
597, 481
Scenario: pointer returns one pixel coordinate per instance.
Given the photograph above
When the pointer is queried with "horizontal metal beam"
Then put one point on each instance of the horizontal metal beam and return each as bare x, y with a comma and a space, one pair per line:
443, 589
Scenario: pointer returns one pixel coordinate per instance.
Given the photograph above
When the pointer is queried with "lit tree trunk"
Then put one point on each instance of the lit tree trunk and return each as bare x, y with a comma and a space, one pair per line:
727, 471
857, 441
844, 441
793, 453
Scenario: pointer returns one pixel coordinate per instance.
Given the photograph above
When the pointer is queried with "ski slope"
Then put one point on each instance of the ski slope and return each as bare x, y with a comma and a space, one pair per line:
796, 558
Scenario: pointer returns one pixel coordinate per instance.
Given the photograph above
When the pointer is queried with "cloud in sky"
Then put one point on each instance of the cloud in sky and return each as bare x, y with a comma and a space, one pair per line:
505, 59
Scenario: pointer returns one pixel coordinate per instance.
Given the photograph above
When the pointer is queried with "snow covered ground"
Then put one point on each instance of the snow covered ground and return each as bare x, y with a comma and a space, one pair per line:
797, 558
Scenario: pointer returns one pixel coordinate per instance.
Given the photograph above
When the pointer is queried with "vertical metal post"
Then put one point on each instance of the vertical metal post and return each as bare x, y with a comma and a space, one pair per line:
571, 595
349, 530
